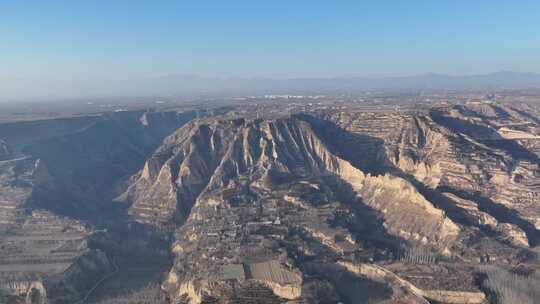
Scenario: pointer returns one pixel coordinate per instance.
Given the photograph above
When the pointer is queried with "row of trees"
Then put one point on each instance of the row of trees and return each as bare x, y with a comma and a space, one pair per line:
511, 288
416, 255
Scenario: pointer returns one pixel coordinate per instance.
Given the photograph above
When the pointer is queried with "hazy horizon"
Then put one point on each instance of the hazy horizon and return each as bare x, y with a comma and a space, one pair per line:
66, 48
178, 85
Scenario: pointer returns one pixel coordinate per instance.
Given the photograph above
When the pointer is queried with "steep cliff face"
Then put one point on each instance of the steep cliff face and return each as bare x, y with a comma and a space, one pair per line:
499, 172
480, 152
208, 156
87, 159
211, 166
411, 142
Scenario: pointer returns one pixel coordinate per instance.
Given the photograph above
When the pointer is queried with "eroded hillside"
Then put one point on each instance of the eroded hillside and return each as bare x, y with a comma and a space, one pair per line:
57, 179
321, 207
303, 194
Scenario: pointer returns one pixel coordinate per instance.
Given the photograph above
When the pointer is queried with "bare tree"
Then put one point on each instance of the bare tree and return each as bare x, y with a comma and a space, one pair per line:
511, 288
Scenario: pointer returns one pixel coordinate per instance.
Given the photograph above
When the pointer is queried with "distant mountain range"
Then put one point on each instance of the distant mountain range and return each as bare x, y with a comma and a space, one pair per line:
187, 83
197, 85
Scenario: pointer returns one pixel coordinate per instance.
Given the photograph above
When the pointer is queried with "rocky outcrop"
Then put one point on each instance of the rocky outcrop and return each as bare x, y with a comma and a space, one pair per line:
182, 182
207, 156
410, 142
508, 232
402, 205
462, 149
513, 234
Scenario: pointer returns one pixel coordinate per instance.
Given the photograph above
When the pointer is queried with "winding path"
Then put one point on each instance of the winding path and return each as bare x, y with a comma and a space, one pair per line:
98, 283
14, 159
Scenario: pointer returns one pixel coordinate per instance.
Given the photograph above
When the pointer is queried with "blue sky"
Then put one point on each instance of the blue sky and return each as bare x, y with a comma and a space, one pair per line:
117, 39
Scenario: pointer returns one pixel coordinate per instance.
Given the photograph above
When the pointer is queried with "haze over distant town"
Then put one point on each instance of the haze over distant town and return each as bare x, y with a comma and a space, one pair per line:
62, 49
